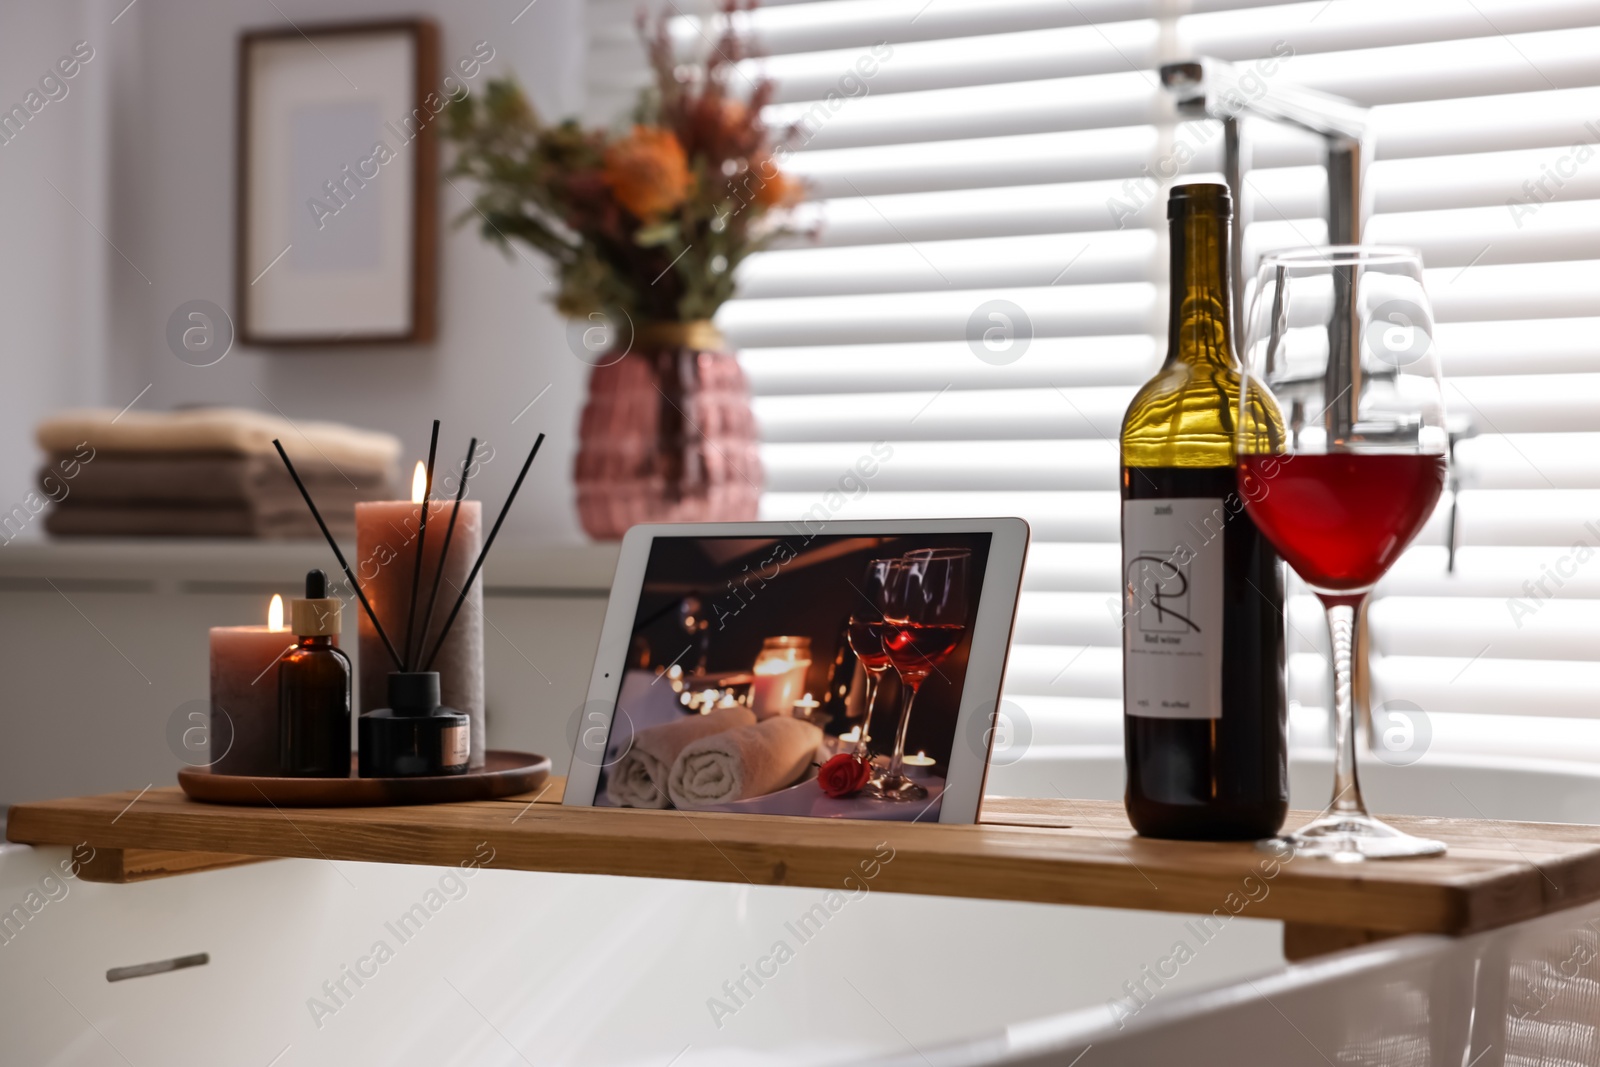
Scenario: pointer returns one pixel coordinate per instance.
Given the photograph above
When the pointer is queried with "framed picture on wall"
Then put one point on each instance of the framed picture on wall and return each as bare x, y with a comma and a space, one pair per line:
337, 174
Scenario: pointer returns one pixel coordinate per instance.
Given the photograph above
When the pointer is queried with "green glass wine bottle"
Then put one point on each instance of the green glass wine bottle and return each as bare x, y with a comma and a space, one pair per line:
1203, 610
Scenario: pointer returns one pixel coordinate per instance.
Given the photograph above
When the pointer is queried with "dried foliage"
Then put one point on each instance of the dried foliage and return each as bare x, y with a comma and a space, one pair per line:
650, 219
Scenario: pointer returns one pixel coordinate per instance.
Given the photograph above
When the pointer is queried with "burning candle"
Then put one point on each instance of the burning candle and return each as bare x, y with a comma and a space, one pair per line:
780, 675
919, 766
244, 694
386, 552
850, 742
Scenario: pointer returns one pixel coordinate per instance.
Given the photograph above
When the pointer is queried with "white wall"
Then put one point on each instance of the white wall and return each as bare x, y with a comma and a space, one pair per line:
154, 168
53, 265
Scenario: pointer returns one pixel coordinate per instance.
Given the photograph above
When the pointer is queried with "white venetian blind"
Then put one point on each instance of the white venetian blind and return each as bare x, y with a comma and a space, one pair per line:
975, 154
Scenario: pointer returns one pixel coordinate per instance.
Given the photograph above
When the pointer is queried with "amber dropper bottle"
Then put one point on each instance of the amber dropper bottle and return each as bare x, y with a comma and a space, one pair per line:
314, 690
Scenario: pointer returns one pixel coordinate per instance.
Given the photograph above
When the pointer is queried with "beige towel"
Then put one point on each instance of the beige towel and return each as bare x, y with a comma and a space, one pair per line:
232, 431
748, 762
122, 479
156, 520
639, 779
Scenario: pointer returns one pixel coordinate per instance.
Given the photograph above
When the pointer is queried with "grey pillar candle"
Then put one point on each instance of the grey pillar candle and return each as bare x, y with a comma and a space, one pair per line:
386, 550
244, 696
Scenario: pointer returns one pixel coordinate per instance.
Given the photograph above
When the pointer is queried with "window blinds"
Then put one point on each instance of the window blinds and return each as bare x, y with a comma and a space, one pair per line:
968, 158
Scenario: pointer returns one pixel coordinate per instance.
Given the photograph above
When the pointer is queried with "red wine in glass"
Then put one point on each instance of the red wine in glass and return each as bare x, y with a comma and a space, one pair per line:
927, 614
866, 641
917, 649
1340, 434
1341, 519
865, 633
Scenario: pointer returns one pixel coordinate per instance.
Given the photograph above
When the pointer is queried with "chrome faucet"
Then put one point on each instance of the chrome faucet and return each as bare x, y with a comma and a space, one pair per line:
1214, 88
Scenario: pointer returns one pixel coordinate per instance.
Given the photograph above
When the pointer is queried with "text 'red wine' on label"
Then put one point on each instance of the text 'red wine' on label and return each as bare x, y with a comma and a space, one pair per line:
1172, 562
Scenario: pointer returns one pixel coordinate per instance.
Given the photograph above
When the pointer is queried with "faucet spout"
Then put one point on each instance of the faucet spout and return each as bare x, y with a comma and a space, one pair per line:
1215, 89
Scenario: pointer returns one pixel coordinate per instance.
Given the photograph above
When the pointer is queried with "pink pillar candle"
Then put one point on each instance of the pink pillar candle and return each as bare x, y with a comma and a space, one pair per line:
244, 698
386, 553
777, 685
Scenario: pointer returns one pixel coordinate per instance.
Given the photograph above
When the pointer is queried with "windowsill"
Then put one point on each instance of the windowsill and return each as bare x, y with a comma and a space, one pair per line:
227, 566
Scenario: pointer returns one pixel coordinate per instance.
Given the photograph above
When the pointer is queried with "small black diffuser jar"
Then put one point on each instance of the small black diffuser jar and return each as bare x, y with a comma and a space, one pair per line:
413, 737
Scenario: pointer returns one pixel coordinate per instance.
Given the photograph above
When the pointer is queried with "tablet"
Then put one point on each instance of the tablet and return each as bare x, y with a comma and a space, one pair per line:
767, 667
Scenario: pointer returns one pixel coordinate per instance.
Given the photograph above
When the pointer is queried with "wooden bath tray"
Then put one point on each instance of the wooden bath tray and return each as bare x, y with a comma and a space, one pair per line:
1045, 851
503, 774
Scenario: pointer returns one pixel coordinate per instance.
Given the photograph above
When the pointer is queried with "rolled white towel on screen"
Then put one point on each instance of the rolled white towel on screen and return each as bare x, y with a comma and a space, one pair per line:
739, 764
639, 778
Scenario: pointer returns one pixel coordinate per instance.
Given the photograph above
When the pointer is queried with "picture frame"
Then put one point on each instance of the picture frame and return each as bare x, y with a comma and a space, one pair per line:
337, 177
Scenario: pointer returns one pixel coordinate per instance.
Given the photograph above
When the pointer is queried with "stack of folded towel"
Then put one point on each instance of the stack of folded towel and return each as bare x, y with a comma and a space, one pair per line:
206, 472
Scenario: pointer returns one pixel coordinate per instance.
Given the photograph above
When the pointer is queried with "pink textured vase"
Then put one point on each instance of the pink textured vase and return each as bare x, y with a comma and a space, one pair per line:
667, 435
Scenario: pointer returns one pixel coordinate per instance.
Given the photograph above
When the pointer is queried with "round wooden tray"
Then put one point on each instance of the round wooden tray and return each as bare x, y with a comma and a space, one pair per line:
504, 774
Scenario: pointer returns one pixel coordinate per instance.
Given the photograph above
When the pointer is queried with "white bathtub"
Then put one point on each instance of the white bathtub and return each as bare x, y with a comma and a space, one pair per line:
512, 968
558, 969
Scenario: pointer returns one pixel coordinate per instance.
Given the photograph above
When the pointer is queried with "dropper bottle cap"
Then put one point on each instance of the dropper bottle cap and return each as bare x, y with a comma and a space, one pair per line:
318, 614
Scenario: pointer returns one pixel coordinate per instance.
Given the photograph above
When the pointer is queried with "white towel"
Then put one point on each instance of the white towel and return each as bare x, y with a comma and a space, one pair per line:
751, 761
639, 778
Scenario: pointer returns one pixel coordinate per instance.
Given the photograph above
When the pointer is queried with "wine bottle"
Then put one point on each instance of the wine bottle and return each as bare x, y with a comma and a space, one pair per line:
1202, 619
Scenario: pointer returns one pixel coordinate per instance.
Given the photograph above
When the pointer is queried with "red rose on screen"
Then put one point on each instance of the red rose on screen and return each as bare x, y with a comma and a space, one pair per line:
844, 775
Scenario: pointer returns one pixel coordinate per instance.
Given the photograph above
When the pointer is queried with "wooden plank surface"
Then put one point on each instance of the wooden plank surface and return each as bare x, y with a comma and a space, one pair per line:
1047, 851
122, 865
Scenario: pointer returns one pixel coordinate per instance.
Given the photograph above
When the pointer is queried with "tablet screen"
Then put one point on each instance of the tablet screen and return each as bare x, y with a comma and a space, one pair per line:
804, 675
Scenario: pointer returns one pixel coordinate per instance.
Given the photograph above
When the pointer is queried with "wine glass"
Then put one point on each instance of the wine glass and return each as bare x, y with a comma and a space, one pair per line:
1341, 458
926, 616
866, 637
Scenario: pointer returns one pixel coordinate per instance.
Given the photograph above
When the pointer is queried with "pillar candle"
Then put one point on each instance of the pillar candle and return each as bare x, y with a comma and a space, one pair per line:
244, 697
386, 550
777, 686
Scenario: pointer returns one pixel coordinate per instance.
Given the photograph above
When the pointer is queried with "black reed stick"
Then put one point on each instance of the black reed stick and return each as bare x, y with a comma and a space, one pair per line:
487, 544
444, 553
348, 573
422, 540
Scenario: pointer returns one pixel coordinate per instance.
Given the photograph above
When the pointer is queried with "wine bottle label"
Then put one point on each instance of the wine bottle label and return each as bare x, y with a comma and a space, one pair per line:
1172, 563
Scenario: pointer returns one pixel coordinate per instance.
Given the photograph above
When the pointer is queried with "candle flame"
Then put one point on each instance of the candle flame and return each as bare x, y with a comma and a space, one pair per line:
275, 613
419, 483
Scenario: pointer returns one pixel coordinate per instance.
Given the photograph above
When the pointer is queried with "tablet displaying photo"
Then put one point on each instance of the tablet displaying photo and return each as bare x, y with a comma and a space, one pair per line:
761, 668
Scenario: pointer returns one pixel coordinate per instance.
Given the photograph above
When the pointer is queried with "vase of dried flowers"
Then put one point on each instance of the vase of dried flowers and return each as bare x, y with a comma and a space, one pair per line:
646, 226
667, 434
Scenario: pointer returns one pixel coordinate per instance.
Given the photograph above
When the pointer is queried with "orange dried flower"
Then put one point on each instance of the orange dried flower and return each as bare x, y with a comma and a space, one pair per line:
647, 172
773, 188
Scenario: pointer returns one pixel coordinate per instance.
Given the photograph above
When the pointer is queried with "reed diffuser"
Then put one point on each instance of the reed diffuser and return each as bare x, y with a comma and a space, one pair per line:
414, 734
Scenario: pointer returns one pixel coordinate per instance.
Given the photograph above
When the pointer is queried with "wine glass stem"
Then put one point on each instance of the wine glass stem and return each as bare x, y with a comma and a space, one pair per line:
872, 702
1342, 612
899, 756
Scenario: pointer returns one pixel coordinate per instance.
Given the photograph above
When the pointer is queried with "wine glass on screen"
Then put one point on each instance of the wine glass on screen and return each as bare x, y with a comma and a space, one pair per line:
926, 616
1341, 446
866, 638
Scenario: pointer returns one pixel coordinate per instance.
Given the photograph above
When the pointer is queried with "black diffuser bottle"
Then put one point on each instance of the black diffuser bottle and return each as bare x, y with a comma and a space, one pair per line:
314, 690
413, 737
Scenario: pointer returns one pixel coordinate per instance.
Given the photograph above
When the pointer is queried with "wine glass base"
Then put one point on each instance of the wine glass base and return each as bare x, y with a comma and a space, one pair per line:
1352, 838
894, 787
